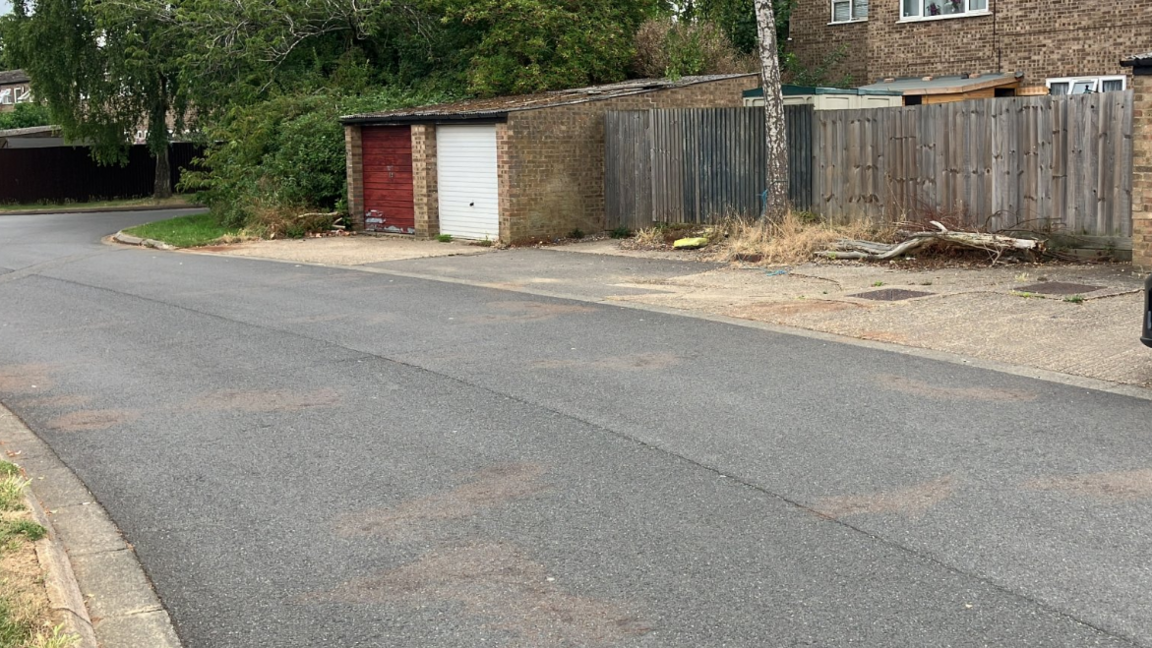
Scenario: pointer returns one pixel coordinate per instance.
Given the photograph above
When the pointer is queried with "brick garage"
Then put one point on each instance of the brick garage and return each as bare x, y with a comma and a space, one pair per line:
1043, 39
548, 165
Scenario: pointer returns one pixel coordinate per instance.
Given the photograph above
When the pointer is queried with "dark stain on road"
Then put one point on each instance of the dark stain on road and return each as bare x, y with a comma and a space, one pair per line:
487, 489
628, 362
91, 420
504, 590
25, 378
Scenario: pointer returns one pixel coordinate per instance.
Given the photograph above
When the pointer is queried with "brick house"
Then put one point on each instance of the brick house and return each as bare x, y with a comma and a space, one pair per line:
514, 168
1068, 47
14, 89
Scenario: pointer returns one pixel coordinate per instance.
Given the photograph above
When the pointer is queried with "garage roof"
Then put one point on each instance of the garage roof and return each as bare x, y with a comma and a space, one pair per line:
497, 108
13, 76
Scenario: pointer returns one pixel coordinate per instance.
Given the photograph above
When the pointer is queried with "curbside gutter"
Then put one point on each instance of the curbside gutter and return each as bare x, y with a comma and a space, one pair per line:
128, 239
92, 575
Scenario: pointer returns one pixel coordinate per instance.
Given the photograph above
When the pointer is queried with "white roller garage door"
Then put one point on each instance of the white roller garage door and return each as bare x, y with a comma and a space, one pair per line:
466, 177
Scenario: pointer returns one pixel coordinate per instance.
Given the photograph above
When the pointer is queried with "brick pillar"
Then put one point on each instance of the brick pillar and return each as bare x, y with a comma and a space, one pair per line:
1141, 159
510, 229
354, 167
425, 194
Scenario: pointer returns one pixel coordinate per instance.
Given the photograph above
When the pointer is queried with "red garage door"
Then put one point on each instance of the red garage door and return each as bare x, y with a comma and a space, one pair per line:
388, 202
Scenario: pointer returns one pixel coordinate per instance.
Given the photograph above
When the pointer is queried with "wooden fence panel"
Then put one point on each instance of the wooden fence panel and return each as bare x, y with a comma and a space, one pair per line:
1064, 162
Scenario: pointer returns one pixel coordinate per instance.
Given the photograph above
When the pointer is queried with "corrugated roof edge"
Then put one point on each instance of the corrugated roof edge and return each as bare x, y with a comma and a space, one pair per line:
493, 110
1138, 61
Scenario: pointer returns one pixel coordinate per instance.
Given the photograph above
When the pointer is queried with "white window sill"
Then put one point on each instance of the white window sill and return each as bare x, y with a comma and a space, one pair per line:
970, 14
848, 22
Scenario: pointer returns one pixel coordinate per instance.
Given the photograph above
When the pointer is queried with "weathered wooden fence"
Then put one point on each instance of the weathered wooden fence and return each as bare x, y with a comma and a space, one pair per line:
1063, 162
1029, 162
693, 165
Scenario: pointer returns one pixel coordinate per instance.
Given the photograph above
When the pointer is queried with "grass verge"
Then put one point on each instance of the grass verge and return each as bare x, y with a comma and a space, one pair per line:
26, 621
50, 207
184, 231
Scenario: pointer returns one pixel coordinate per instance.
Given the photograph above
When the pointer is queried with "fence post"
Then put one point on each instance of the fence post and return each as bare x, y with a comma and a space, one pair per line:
1141, 160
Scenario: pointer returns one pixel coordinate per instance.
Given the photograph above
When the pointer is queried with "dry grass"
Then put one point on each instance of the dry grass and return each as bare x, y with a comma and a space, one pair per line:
272, 223
795, 239
26, 621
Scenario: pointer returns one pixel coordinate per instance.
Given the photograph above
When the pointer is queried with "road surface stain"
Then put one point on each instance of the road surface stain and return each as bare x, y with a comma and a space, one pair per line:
25, 378
91, 420
525, 311
274, 400
64, 401
489, 488
1120, 486
911, 502
918, 388
504, 590
627, 362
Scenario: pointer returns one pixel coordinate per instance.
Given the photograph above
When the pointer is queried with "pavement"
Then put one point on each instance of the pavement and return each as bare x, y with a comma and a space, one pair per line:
325, 456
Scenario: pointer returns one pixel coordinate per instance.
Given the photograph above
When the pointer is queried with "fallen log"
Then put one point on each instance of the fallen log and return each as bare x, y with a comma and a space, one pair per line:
873, 251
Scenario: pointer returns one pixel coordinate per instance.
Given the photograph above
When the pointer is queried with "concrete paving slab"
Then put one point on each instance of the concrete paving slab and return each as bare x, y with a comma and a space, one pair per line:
344, 250
86, 530
146, 630
113, 584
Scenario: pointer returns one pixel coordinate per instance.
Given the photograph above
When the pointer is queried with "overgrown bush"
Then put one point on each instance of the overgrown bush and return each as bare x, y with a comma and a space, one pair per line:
273, 160
668, 48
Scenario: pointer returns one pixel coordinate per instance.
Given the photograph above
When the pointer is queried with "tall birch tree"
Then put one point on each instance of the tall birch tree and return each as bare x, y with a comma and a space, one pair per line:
775, 131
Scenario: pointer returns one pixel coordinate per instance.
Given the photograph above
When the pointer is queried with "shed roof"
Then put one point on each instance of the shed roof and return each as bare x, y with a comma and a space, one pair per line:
795, 90
936, 85
498, 108
13, 76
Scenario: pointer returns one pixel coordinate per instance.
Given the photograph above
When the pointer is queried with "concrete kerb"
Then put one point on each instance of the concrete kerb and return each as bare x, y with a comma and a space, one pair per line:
128, 239
88, 565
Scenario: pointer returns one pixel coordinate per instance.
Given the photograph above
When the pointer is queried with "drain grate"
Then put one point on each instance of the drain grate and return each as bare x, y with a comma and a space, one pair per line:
1057, 288
891, 294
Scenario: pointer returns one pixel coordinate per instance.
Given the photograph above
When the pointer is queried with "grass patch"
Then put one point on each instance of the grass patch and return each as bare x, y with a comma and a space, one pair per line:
71, 205
1075, 299
8, 469
444, 238
184, 231
795, 239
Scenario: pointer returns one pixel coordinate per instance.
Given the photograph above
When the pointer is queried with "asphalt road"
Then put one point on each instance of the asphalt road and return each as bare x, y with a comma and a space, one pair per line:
305, 456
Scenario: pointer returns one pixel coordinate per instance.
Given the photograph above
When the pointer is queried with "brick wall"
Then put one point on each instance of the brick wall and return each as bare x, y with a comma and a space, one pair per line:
1142, 171
427, 199
1041, 38
354, 168
551, 160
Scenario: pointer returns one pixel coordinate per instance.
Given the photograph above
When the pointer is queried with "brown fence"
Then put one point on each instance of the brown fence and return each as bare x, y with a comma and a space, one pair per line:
67, 173
1064, 162
695, 164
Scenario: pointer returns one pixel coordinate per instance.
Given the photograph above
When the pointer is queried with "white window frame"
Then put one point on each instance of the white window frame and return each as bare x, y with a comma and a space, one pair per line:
967, 12
6, 97
1097, 82
853, 5
23, 95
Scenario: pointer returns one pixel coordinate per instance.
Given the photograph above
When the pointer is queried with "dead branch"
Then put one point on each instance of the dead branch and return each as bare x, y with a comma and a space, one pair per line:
870, 250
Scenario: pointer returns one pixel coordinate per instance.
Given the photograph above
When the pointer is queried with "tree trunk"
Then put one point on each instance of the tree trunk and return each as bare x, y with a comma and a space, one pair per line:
163, 185
776, 134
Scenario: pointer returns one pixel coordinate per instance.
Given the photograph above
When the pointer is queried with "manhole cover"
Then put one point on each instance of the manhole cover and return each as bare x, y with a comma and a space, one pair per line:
1057, 288
891, 294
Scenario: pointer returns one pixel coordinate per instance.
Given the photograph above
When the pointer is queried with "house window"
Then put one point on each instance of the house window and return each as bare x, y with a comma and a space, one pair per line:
6, 97
1086, 85
23, 95
941, 8
849, 10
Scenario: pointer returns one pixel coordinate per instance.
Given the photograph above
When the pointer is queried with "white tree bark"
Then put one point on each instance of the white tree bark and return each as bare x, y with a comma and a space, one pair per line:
776, 134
